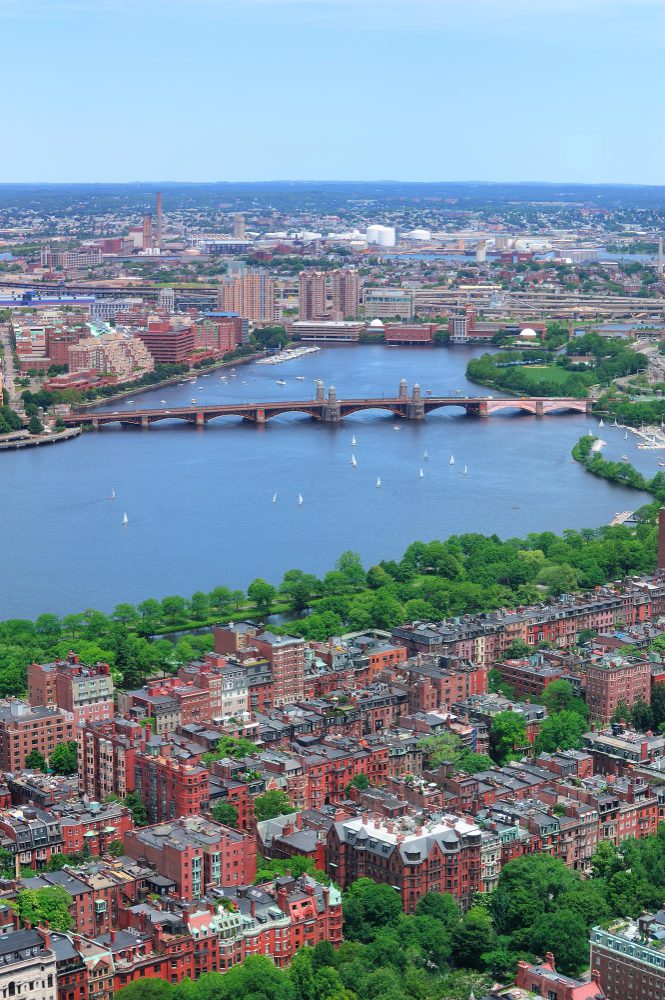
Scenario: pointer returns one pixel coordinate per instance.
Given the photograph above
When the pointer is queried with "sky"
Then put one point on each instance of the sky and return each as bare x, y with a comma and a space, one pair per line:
243, 90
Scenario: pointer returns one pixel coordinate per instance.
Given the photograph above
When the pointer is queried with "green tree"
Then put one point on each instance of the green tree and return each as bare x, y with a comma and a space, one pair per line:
351, 569
507, 736
174, 608
64, 759
35, 426
147, 989
262, 594
442, 906
562, 731
565, 934
369, 906
225, 813
50, 904
36, 760
473, 936
125, 613
137, 808
641, 716
517, 649
199, 606
272, 803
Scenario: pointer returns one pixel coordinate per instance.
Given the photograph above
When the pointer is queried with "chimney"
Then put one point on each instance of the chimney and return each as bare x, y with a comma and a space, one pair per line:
549, 960
112, 936
595, 977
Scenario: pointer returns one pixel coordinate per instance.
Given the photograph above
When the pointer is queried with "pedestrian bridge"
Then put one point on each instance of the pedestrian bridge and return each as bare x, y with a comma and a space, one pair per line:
329, 409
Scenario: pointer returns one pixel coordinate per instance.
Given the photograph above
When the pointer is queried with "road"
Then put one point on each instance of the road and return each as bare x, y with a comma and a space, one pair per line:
8, 368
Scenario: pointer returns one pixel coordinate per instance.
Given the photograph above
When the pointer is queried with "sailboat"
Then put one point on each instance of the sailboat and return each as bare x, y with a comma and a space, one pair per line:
625, 437
421, 474
378, 481
274, 498
452, 460
300, 500
465, 471
600, 422
353, 441
425, 456
125, 519
112, 497
353, 461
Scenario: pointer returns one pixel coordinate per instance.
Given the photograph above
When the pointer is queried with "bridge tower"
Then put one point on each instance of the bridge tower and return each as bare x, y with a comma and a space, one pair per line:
331, 410
415, 409
320, 392
403, 391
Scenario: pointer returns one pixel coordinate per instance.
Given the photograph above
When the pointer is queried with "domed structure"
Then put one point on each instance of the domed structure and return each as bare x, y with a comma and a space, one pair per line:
528, 333
376, 324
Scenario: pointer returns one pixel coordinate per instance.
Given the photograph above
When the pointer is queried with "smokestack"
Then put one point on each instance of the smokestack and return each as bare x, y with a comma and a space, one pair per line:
158, 219
661, 538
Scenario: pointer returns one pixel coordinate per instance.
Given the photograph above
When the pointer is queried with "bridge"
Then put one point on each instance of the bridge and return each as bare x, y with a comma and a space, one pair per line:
330, 410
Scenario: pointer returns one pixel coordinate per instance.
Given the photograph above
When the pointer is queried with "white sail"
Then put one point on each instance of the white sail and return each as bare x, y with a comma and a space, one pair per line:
125, 519
421, 474
465, 470
378, 481
112, 497
601, 422
425, 456
274, 498
353, 441
353, 461
300, 500
452, 460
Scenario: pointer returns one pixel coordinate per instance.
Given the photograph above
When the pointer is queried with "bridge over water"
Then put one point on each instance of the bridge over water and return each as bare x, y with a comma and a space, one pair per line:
330, 410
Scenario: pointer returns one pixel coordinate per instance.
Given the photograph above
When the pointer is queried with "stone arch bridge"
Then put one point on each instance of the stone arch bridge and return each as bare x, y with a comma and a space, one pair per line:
330, 410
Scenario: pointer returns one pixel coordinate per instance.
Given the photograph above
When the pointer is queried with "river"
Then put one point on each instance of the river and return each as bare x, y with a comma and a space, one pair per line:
199, 501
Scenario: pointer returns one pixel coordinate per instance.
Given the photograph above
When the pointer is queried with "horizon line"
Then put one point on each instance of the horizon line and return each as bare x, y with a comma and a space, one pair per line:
312, 180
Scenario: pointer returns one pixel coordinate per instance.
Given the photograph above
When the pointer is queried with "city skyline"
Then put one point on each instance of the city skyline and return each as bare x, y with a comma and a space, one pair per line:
423, 91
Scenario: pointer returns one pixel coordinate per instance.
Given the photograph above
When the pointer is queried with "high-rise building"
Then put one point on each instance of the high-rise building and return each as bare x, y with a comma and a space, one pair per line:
166, 299
147, 231
85, 691
251, 295
345, 293
238, 229
158, 217
312, 295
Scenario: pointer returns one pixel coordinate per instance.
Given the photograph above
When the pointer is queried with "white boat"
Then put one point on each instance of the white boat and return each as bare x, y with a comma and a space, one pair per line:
300, 378
353, 461
624, 458
425, 456
274, 498
600, 422
125, 519
452, 460
112, 497
421, 474
396, 427
300, 500
625, 437
353, 441
280, 381
428, 392
193, 401
378, 481
464, 471
162, 401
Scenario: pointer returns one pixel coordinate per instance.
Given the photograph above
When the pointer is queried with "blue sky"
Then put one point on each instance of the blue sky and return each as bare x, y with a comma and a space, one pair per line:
506, 90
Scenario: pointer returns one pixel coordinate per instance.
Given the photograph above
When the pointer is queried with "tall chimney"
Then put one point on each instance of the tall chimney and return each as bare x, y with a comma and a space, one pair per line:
661, 538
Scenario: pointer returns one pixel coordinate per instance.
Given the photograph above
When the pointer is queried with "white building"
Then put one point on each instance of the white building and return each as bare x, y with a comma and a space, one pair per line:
383, 236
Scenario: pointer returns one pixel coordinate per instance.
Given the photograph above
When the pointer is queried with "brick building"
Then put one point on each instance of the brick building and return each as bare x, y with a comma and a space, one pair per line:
84, 691
195, 853
543, 980
630, 957
169, 787
416, 856
23, 729
616, 680
107, 755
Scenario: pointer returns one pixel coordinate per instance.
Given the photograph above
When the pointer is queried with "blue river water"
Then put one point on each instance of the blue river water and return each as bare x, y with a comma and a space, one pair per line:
199, 501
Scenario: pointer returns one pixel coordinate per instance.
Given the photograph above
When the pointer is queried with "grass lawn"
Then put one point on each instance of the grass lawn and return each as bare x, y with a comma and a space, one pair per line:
553, 373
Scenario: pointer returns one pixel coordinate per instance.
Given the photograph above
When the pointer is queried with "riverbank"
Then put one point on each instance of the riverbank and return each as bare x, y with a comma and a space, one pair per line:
173, 380
23, 439
587, 452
